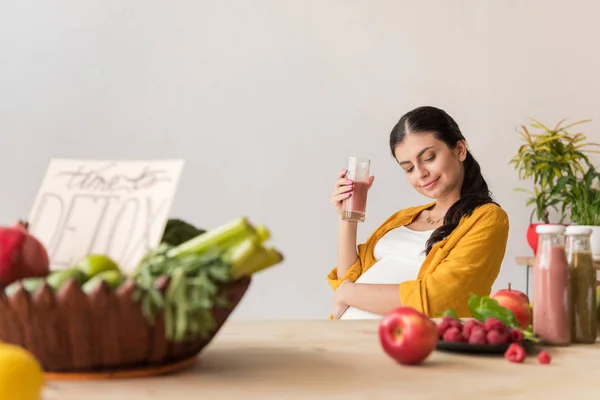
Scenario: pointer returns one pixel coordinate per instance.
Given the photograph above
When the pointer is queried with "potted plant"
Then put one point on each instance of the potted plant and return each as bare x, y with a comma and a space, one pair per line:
581, 198
545, 157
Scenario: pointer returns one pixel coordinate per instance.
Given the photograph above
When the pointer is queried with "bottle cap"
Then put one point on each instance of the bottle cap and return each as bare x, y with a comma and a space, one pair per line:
578, 230
550, 228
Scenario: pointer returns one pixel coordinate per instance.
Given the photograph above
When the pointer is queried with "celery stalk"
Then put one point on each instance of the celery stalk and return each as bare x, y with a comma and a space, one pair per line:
257, 258
263, 233
221, 236
240, 254
262, 258
272, 257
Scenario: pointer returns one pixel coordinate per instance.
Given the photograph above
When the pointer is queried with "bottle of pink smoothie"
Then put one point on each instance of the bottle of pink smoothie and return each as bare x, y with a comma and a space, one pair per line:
551, 287
354, 207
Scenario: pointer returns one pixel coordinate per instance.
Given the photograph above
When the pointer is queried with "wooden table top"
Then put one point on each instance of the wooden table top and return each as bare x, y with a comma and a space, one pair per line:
529, 260
342, 359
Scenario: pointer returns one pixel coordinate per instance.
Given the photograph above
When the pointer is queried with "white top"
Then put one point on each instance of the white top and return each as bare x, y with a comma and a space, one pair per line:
399, 254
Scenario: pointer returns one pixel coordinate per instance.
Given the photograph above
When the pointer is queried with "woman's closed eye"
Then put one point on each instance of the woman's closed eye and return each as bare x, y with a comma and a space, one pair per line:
428, 159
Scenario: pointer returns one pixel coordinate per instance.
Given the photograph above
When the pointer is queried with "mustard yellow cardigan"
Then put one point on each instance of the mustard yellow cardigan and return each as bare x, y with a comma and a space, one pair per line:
466, 261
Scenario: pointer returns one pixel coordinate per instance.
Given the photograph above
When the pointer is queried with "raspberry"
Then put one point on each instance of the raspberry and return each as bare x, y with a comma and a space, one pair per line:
456, 324
515, 353
452, 334
477, 336
443, 327
446, 323
493, 324
468, 326
496, 337
516, 336
544, 358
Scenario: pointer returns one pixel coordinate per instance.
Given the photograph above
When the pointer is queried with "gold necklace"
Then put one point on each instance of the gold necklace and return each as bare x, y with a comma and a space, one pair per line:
431, 221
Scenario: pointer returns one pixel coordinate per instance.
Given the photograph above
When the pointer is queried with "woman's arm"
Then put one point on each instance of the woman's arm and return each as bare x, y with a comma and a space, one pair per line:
471, 266
346, 253
374, 298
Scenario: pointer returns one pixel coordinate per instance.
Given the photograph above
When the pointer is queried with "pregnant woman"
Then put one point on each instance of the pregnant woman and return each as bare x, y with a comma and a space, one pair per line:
429, 257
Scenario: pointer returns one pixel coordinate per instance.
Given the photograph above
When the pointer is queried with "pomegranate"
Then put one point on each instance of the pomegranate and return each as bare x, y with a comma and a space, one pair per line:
21, 254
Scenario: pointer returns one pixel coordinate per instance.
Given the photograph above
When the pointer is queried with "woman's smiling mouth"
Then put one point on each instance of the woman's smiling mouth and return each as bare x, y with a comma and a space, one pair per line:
430, 185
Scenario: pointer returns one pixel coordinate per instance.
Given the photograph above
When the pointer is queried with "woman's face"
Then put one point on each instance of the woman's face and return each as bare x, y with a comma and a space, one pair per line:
431, 167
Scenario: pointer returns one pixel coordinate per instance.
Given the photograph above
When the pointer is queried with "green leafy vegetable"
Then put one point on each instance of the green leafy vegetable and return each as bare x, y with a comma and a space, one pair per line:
196, 268
178, 231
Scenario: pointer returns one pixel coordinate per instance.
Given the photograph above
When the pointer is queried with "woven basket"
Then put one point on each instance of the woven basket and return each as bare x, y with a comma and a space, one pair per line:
71, 331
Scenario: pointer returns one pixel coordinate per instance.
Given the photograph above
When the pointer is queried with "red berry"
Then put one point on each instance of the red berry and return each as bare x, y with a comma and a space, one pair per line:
468, 326
493, 324
515, 353
456, 324
477, 336
452, 334
496, 337
516, 336
443, 327
544, 358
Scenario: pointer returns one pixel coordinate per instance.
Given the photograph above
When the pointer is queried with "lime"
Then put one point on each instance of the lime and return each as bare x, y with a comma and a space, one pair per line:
57, 278
112, 278
29, 284
93, 264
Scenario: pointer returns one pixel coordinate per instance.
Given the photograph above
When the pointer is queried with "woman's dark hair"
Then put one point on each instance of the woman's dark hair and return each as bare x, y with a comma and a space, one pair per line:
474, 191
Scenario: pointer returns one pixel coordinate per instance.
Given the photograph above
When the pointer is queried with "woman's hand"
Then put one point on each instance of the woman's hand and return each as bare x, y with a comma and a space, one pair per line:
343, 190
338, 310
339, 303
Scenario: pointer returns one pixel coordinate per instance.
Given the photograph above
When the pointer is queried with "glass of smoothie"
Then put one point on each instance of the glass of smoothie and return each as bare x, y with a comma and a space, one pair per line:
354, 207
551, 287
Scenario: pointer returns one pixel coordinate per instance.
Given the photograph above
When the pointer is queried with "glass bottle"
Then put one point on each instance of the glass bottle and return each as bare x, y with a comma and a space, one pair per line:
584, 324
551, 287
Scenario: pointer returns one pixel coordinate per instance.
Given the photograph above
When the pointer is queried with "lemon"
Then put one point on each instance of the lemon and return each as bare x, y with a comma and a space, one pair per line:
93, 264
21, 375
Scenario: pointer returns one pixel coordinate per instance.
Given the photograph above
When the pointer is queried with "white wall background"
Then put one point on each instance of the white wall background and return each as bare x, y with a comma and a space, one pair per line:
265, 99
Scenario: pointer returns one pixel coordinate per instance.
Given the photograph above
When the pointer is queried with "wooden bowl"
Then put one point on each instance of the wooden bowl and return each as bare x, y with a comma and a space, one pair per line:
69, 331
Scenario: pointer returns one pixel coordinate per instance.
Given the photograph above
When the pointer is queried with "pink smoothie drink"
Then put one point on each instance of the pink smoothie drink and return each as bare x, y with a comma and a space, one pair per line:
551, 295
354, 207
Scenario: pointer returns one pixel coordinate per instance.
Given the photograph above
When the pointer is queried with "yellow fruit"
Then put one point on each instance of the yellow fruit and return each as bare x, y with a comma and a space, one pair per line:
21, 375
94, 264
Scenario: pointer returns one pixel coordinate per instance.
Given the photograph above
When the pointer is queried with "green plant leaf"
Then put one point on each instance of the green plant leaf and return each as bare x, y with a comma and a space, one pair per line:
483, 307
450, 313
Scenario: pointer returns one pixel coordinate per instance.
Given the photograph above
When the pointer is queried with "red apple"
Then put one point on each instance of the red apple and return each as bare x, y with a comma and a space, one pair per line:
407, 335
517, 302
